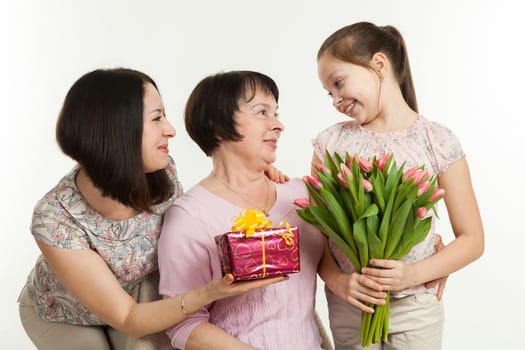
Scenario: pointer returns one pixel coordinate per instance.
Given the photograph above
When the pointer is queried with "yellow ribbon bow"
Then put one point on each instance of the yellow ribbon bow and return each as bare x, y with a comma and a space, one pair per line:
251, 221
254, 220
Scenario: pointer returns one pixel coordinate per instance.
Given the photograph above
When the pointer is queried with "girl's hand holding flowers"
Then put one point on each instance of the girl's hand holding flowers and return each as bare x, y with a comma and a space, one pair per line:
357, 289
395, 275
392, 275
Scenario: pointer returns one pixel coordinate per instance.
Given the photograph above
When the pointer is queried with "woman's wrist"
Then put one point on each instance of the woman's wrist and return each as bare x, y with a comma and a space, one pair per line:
193, 300
182, 307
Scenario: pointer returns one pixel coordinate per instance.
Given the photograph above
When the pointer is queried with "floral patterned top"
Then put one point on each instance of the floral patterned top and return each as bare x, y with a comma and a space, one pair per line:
129, 247
423, 143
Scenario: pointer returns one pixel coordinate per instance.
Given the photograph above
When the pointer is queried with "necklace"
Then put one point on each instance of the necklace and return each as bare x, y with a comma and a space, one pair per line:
267, 200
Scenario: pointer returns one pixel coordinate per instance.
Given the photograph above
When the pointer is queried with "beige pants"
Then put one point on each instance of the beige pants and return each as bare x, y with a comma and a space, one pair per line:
59, 336
416, 323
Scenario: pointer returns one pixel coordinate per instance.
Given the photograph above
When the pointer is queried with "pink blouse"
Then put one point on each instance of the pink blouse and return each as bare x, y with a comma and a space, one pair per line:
279, 316
424, 143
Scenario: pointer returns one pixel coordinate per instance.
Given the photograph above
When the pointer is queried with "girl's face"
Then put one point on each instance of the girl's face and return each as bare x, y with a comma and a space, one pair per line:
353, 88
156, 131
257, 121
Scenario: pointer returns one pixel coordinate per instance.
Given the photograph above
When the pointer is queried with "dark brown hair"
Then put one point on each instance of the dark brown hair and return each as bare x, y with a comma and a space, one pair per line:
100, 126
210, 109
358, 42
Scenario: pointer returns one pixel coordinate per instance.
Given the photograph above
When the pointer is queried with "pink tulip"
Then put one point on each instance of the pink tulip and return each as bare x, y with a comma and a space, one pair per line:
438, 193
301, 202
364, 164
314, 181
421, 212
420, 175
367, 185
346, 171
409, 174
423, 187
342, 180
381, 162
323, 168
350, 161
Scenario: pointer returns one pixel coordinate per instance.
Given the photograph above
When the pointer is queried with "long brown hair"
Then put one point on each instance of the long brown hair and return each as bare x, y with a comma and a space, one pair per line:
358, 42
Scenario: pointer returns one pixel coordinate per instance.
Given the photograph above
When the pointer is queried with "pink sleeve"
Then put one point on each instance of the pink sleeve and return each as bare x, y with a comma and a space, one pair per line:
446, 147
321, 142
184, 264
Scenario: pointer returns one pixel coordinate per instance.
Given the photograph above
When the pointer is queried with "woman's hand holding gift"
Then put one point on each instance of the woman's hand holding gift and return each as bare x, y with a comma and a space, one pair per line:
226, 287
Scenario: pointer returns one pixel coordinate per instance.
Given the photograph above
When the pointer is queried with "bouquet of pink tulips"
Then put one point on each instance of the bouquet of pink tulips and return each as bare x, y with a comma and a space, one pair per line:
372, 209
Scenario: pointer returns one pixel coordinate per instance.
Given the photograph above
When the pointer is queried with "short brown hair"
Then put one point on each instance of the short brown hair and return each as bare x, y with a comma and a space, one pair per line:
210, 109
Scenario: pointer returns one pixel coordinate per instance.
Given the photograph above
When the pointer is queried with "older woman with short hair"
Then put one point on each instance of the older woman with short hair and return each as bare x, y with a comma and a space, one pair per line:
233, 118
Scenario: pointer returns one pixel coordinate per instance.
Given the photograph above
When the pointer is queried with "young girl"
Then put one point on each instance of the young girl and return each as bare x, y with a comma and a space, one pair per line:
365, 70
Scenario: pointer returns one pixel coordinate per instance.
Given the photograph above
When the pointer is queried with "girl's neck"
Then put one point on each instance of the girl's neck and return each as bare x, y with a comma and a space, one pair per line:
394, 116
383, 124
105, 206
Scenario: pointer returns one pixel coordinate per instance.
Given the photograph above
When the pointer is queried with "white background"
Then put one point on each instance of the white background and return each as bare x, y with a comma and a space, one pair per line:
467, 63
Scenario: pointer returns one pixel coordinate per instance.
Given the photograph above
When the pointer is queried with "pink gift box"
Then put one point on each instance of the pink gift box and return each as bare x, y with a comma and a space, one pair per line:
245, 258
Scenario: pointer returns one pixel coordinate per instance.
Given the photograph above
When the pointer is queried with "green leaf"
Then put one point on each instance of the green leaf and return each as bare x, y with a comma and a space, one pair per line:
323, 218
306, 215
337, 211
352, 189
338, 160
392, 181
378, 181
354, 183
410, 239
406, 191
361, 241
399, 219
330, 163
388, 163
349, 204
360, 192
329, 184
371, 210
375, 246
385, 220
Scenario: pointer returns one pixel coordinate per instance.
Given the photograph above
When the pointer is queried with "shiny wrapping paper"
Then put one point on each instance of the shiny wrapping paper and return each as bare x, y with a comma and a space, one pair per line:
264, 253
